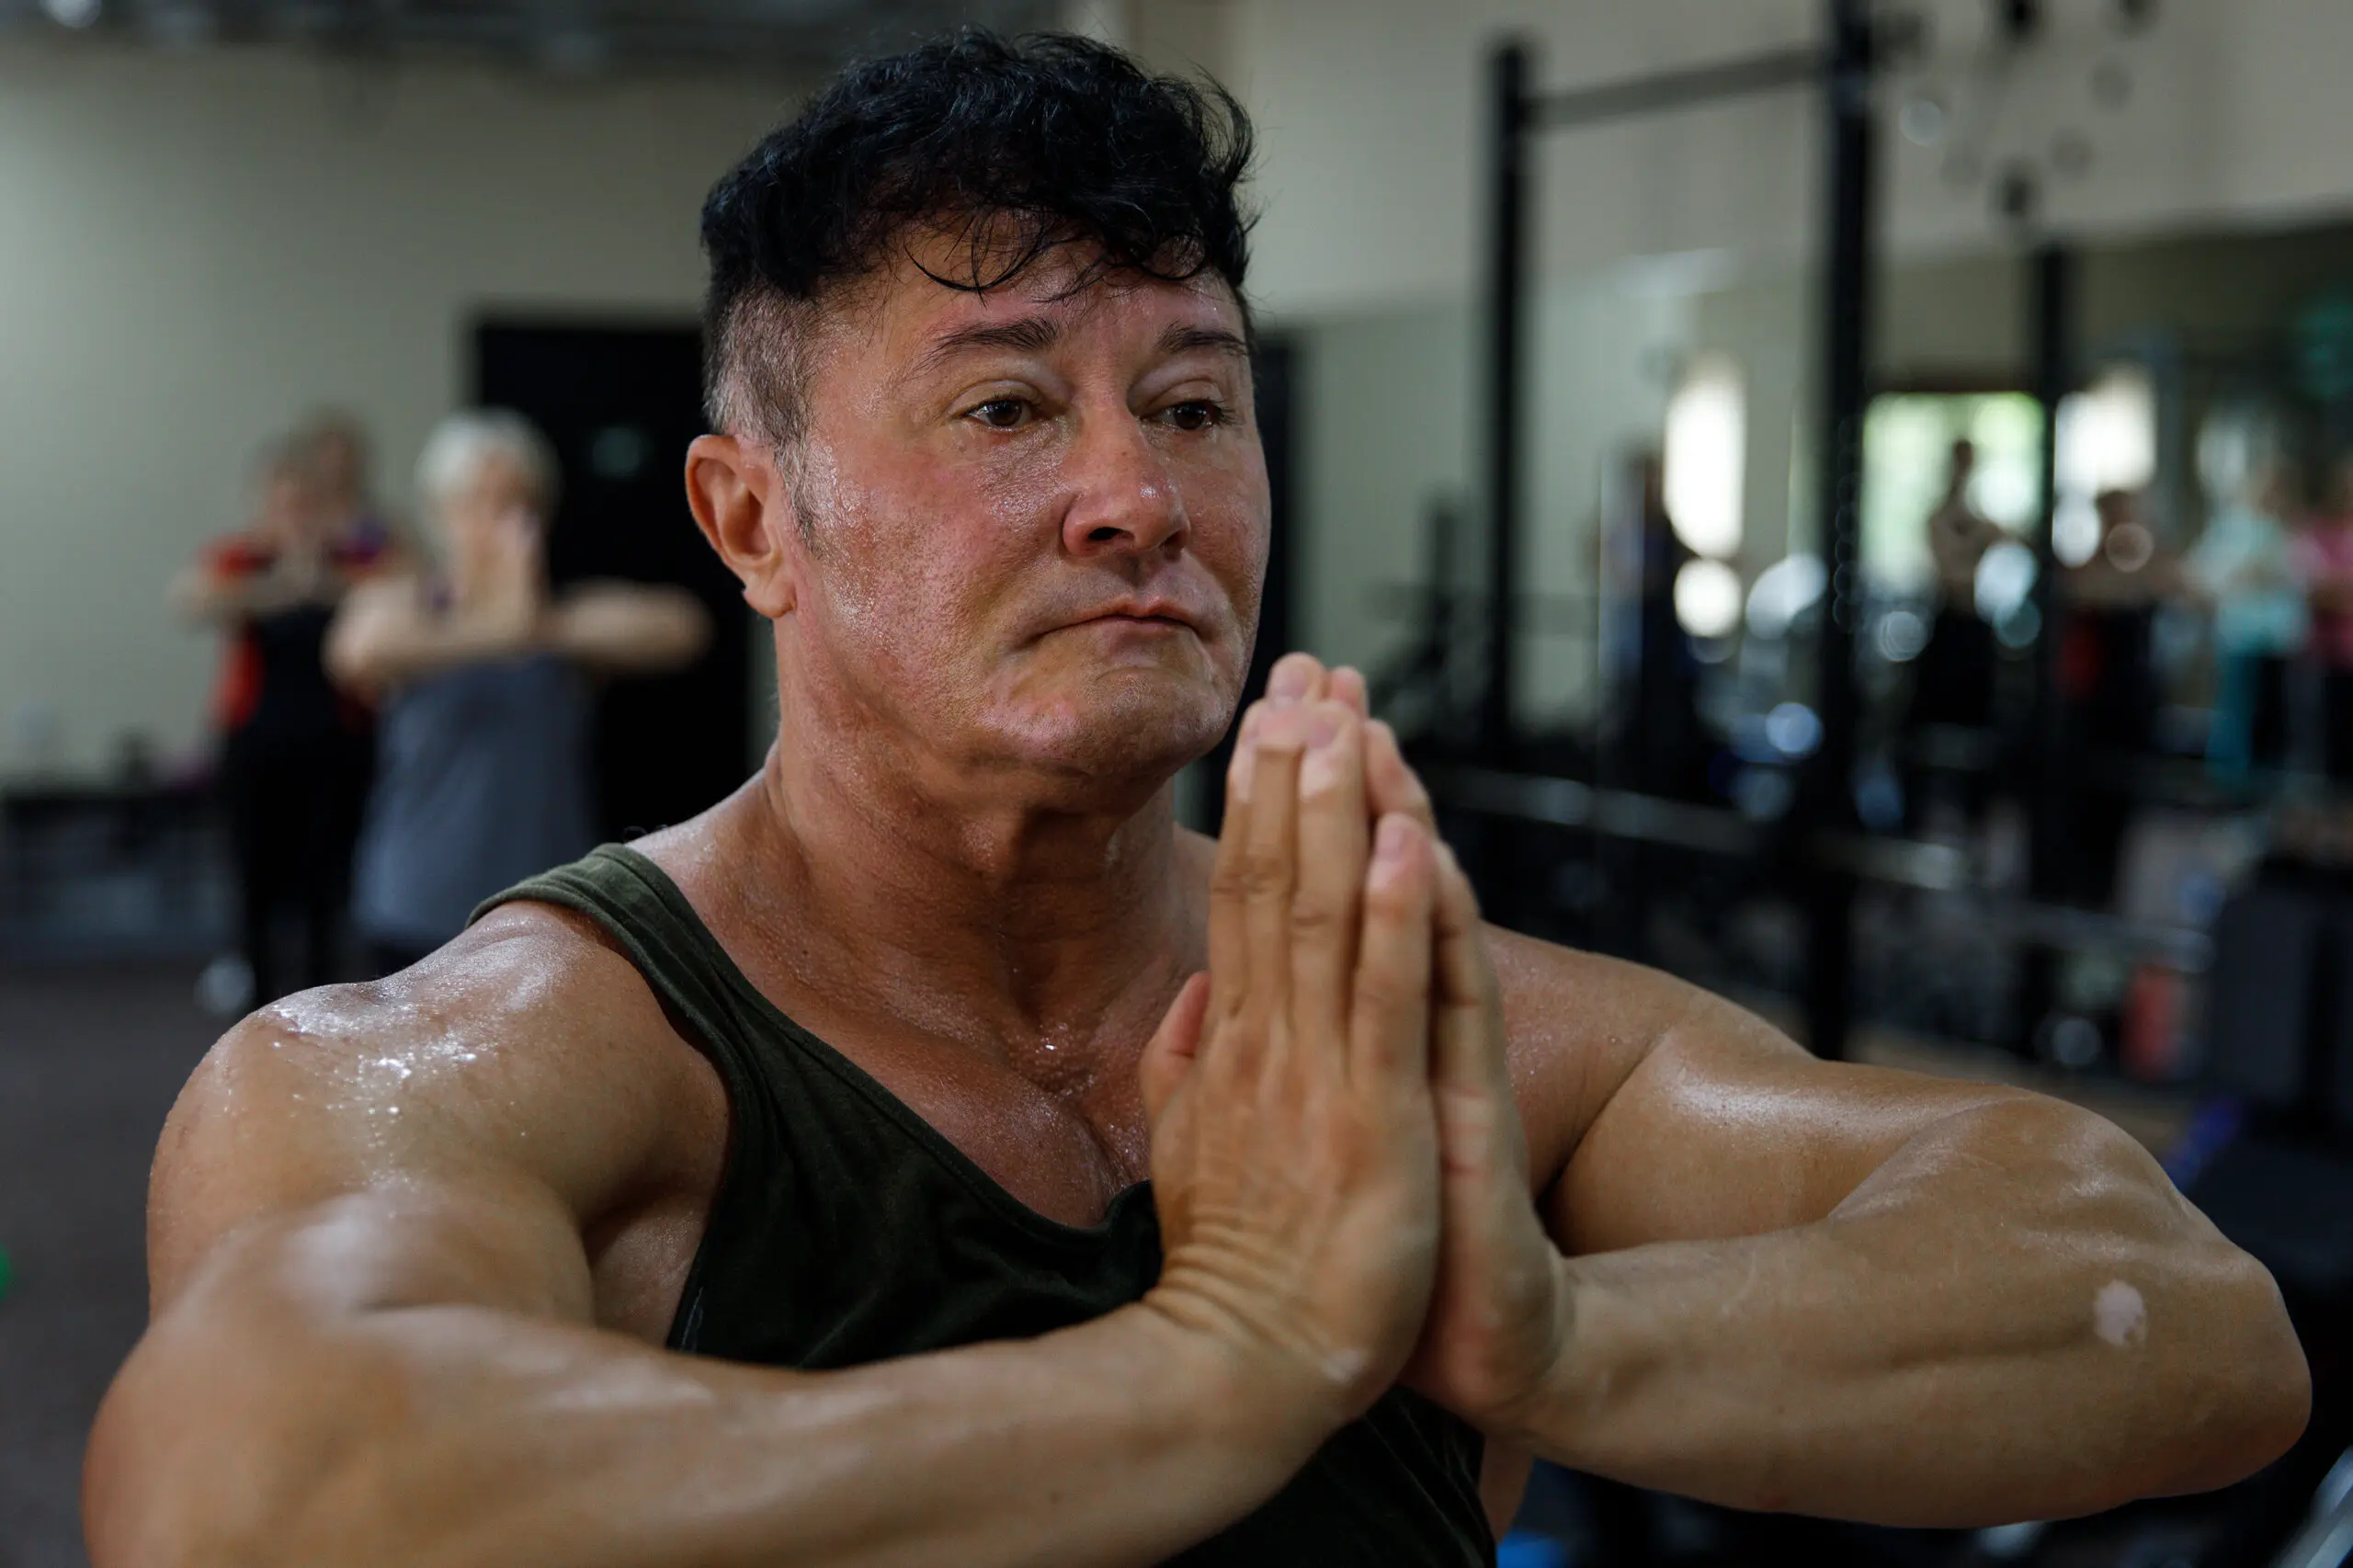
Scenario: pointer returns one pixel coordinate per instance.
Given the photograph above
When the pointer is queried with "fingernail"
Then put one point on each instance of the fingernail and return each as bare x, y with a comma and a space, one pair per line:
1289, 682
1389, 840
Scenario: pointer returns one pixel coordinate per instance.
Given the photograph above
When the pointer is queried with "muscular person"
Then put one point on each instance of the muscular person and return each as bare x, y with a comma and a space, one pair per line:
775, 1190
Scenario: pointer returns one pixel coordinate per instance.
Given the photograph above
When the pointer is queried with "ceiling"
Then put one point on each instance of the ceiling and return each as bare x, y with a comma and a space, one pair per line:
577, 38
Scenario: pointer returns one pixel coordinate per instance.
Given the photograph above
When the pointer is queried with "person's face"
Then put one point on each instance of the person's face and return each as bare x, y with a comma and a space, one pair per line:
497, 493
338, 458
287, 510
1035, 524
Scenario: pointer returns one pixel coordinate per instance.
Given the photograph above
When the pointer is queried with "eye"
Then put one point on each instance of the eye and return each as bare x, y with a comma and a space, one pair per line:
1196, 413
1003, 413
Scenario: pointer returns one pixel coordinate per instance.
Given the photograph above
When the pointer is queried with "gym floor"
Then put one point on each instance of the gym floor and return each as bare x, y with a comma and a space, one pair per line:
90, 1060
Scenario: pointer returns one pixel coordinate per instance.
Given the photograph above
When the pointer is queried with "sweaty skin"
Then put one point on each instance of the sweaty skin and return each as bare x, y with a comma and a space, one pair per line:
414, 1244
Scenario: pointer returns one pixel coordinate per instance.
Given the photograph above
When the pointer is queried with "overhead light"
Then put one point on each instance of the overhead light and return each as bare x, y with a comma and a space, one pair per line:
1922, 119
75, 14
1707, 598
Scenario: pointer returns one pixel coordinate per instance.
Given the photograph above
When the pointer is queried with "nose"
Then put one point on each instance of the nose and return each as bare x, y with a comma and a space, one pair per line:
1123, 500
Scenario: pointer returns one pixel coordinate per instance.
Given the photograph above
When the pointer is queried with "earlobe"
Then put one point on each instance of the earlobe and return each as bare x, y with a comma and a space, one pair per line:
746, 516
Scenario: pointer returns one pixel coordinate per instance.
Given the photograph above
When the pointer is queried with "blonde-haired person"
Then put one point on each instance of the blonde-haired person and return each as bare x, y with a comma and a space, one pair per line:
486, 679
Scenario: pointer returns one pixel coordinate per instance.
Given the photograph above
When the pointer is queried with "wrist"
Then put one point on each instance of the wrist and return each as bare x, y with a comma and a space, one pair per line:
1249, 1394
1598, 1355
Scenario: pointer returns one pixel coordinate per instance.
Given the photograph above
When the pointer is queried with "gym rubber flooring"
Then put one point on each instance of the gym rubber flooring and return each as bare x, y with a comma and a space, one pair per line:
90, 1059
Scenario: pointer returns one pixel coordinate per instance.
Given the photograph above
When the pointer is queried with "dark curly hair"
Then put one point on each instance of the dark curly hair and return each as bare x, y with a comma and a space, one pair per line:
1016, 148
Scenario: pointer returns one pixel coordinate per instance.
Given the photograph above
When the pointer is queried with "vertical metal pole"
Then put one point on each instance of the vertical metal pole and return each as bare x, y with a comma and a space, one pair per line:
2055, 375
1846, 367
1506, 315
2048, 864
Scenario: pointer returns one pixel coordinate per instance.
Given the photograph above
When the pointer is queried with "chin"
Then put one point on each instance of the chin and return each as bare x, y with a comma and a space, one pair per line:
1124, 730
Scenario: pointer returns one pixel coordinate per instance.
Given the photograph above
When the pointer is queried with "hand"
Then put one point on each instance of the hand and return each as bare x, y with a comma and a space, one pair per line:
1496, 1323
1294, 1144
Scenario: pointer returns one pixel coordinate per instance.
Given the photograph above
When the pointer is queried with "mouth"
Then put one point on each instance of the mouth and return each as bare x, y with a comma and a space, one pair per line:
1155, 614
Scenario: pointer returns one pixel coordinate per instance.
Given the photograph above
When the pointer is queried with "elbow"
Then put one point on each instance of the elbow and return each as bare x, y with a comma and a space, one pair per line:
152, 1496
2251, 1393
690, 631
200, 1459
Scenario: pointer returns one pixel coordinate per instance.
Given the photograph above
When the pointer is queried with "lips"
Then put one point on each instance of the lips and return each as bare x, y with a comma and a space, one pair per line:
1164, 612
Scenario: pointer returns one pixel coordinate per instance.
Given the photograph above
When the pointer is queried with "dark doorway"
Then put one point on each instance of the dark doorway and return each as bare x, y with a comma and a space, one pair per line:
1275, 369
620, 403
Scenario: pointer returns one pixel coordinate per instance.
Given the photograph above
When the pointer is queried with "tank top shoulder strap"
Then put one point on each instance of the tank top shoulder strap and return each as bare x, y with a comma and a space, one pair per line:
642, 910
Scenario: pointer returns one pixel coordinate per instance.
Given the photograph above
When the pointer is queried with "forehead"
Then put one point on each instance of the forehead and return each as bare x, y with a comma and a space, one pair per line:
904, 312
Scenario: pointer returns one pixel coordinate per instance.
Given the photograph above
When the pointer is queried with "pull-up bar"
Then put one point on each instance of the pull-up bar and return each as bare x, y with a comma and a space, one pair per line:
1676, 89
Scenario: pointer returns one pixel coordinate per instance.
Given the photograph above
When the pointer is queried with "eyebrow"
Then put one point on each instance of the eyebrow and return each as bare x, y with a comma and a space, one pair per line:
1035, 335
1181, 339
1028, 335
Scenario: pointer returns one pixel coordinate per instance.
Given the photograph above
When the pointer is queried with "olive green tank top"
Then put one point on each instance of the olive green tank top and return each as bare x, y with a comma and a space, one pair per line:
847, 1229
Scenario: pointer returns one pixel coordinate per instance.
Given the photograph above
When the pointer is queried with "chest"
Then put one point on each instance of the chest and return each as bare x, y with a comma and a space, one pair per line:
1058, 1141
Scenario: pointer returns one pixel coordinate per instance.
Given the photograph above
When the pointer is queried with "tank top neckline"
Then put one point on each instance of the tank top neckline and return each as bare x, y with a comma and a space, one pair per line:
884, 1100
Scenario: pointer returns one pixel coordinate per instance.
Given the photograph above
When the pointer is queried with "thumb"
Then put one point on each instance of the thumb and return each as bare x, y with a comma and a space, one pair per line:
1170, 1054
1467, 1064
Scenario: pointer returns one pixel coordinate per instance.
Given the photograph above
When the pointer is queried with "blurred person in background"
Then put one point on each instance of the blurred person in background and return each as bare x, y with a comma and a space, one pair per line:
294, 755
1954, 684
1665, 746
1952, 680
486, 679
338, 450
2323, 552
2244, 566
2107, 681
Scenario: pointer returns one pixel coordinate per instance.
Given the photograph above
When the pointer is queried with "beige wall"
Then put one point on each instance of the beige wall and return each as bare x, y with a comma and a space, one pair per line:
198, 246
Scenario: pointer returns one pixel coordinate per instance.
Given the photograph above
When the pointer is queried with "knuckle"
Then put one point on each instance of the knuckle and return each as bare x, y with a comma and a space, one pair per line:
1318, 918
1261, 874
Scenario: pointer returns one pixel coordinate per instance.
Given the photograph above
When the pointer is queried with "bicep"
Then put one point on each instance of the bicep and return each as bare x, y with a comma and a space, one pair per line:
1675, 1115
545, 1104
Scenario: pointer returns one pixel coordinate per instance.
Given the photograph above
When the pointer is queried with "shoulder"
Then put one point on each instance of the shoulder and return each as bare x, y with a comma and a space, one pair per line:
1579, 1028
527, 1053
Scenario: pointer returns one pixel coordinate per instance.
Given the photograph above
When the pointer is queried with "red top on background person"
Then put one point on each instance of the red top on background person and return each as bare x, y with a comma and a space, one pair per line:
294, 751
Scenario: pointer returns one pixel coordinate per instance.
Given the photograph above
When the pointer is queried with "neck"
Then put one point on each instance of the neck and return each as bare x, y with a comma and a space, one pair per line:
968, 911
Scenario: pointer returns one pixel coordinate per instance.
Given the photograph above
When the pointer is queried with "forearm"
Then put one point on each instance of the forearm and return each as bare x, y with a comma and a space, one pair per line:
463, 1436
389, 653
205, 598
2001, 1324
629, 628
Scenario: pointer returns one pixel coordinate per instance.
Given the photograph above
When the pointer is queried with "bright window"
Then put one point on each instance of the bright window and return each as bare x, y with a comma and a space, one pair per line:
1706, 456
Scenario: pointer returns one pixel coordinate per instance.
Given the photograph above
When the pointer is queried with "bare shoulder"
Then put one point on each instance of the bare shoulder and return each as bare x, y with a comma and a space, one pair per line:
526, 1055
1580, 1026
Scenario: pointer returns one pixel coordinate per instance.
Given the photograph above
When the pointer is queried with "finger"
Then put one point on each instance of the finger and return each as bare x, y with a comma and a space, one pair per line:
1296, 678
1390, 784
1229, 939
1270, 867
1348, 686
1334, 843
1468, 1066
1169, 1054
1389, 1023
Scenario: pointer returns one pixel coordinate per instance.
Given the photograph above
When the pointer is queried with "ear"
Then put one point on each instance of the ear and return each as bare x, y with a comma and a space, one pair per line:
745, 510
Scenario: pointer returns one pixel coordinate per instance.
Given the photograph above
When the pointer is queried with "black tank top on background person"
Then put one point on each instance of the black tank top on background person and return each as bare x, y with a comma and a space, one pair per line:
847, 1229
